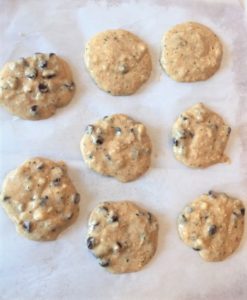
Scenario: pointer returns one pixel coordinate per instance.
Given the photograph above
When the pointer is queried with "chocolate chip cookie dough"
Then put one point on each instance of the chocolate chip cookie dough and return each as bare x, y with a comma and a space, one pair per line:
117, 146
200, 137
213, 225
118, 61
190, 52
122, 236
40, 199
34, 87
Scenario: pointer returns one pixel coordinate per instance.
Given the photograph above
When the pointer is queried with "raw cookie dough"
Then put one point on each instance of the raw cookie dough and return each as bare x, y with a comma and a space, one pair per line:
40, 199
122, 236
213, 225
34, 87
117, 146
200, 137
118, 61
190, 52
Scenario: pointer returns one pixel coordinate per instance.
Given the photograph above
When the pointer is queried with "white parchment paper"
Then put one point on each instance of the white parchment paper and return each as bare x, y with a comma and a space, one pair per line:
64, 269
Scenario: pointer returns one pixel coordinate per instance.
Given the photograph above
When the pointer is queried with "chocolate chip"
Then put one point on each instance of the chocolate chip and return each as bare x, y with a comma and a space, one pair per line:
114, 218
242, 211
90, 242
43, 201
118, 130
76, 198
119, 244
150, 217
175, 142
99, 140
27, 225
196, 249
43, 64
34, 109
40, 166
89, 129
6, 198
212, 194
183, 118
51, 54
43, 88
70, 86
31, 73
229, 131
212, 229
56, 182
104, 262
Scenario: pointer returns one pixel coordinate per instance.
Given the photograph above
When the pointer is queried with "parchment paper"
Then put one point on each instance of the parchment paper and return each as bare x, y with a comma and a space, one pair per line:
64, 269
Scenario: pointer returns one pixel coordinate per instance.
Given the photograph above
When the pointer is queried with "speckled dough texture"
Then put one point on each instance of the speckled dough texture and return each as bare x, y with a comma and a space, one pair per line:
117, 146
200, 137
190, 52
122, 236
40, 199
118, 61
34, 87
213, 225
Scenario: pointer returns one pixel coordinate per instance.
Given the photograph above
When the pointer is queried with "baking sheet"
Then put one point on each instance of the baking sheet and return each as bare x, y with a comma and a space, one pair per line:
64, 269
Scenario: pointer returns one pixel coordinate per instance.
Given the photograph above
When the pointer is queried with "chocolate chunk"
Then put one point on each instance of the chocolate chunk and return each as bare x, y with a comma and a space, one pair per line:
6, 198
56, 182
104, 262
212, 229
40, 166
89, 129
51, 54
43, 64
118, 130
90, 242
27, 225
212, 194
43, 88
197, 249
70, 86
119, 244
175, 142
34, 109
76, 198
242, 211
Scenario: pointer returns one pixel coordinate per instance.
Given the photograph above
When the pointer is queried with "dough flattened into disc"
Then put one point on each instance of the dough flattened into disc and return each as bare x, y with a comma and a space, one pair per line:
122, 236
200, 137
40, 199
190, 52
118, 61
213, 225
117, 146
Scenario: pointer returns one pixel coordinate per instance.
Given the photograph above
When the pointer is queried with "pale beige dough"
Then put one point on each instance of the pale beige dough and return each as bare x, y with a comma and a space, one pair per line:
118, 61
34, 87
190, 52
117, 146
122, 236
40, 199
213, 225
200, 137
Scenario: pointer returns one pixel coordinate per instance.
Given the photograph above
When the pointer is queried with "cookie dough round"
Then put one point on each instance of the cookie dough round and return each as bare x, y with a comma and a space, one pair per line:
190, 52
118, 61
200, 137
213, 225
117, 146
34, 87
40, 199
122, 236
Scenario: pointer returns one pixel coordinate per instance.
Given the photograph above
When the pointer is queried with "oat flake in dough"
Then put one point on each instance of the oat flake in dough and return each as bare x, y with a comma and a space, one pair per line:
34, 87
190, 52
200, 137
118, 61
122, 236
40, 199
213, 225
117, 146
